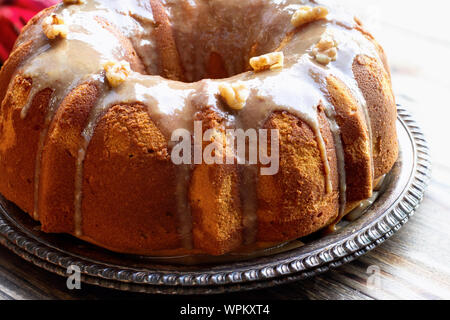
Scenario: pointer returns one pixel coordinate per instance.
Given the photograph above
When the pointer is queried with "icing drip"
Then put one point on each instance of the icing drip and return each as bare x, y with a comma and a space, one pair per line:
55, 101
344, 71
320, 76
340, 156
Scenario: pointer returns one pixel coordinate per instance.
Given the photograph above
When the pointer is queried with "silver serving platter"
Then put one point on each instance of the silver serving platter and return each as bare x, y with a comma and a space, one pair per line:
401, 194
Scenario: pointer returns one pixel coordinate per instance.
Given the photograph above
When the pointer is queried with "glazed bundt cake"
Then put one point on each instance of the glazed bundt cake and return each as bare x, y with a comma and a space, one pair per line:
93, 91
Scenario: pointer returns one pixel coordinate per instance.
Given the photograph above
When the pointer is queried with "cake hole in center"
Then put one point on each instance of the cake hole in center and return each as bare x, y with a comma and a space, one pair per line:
211, 66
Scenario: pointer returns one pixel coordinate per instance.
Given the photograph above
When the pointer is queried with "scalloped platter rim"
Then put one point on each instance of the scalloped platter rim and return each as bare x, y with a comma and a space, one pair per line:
403, 191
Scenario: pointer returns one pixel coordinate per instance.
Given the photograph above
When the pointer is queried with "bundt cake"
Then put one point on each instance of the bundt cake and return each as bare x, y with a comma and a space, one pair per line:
93, 91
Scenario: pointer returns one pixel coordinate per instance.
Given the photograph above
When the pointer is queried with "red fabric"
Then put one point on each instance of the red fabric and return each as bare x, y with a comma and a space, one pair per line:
14, 14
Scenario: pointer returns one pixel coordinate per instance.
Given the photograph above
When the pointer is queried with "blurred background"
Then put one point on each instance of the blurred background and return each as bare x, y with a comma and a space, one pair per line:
415, 263
416, 37
14, 14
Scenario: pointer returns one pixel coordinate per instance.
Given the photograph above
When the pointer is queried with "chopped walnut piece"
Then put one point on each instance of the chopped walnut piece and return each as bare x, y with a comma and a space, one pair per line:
54, 26
323, 59
332, 53
307, 14
325, 50
235, 94
117, 72
326, 42
272, 61
74, 1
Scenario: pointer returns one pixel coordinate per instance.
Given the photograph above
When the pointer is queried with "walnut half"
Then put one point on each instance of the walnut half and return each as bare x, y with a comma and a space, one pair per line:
272, 61
325, 50
308, 14
54, 26
117, 72
235, 95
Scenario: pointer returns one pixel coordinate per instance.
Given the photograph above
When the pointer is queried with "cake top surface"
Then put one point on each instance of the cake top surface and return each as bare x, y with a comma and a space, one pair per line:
200, 27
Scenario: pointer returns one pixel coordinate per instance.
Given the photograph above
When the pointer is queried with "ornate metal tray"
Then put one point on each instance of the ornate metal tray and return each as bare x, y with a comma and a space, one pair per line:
401, 194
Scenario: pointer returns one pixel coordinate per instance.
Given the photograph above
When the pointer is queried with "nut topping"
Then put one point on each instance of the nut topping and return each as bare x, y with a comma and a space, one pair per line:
235, 95
325, 50
272, 61
54, 26
117, 72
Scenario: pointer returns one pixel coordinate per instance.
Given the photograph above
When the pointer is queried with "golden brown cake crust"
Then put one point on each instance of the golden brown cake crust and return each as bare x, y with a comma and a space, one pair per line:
295, 201
215, 205
375, 85
58, 170
19, 158
215, 201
